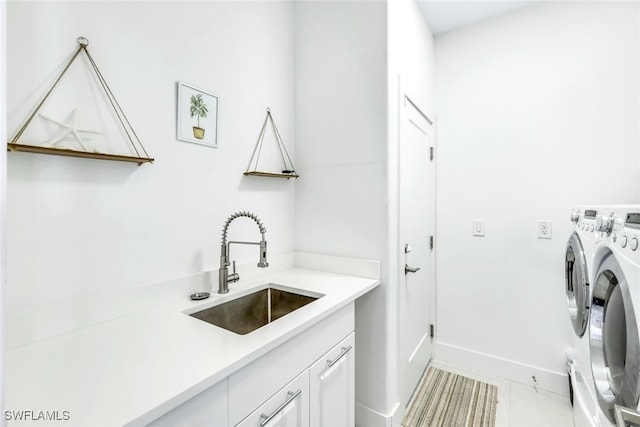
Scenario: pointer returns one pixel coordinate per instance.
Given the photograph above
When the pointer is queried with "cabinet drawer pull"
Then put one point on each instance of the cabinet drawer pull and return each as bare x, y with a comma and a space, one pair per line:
344, 351
264, 418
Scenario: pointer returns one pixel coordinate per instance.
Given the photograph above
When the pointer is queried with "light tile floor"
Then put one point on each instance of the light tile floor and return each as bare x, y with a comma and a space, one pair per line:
520, 405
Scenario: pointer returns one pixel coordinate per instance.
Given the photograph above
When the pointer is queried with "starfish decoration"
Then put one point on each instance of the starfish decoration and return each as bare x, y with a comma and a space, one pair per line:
69, 129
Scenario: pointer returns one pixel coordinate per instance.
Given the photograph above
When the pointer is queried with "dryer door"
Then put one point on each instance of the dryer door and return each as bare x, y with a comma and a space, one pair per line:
613, 340
577, 285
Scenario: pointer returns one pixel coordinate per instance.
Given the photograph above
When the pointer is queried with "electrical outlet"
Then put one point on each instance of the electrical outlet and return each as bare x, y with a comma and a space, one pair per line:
544, 229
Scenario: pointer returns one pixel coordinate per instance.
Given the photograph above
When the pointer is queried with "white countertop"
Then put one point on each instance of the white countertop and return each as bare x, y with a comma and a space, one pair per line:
136, 367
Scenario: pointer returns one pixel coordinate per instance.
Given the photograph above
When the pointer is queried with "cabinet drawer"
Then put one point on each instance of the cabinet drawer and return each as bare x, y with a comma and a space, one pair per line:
288, 407
332, 387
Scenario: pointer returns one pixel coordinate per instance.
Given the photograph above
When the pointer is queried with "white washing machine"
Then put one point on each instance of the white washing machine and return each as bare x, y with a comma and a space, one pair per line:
579, 274
614, 344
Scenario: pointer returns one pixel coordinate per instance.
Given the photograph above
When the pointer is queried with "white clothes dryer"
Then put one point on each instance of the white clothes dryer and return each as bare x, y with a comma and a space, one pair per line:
614, 344
579, 268
579, 273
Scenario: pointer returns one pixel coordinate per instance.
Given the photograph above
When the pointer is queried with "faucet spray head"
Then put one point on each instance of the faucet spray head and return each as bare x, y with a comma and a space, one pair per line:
263, 254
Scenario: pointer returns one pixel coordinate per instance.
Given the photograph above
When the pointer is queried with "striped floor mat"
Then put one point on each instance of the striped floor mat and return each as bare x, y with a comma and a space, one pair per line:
444, 399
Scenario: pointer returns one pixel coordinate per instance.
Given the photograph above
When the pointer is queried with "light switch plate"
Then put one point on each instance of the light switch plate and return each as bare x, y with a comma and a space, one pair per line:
477, 226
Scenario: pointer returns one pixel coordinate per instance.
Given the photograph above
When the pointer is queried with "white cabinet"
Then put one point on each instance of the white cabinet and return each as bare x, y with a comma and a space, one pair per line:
321, 396
307, 381
252, 385
287, 408
332, 386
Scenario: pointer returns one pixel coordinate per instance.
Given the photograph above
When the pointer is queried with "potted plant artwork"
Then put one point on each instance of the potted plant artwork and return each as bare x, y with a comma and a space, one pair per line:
195, 103
198, 108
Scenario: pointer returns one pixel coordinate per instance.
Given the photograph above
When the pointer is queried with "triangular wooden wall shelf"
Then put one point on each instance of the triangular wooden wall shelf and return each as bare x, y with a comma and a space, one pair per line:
288, 170
141, 154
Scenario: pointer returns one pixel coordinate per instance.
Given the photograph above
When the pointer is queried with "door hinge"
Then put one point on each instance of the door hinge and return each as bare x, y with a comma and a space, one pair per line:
431, 242
432, 330
431, 154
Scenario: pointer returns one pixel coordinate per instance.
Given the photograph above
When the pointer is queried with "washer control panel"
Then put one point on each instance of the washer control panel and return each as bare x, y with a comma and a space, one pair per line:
586, 226
586, 222
632, 220
627, 237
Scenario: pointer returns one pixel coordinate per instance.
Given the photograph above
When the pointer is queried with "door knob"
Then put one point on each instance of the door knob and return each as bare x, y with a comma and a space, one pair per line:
408, 269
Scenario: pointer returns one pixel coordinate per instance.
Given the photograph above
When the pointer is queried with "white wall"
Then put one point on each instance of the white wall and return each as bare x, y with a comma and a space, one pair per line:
411, 72
537, 112
411, 56
349, 56
341, 137
79, 227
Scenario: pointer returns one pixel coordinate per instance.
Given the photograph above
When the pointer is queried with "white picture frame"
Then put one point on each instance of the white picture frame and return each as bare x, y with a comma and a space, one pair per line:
197, 115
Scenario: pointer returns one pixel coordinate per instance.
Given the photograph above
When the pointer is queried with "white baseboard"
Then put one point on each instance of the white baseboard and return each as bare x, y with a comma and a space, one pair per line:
367, 417
554, 382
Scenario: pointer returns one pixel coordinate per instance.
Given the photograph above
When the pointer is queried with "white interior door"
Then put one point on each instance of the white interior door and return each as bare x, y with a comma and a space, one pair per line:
416, 256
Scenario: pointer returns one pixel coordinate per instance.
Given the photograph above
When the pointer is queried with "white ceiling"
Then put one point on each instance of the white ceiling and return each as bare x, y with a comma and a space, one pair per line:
447, 15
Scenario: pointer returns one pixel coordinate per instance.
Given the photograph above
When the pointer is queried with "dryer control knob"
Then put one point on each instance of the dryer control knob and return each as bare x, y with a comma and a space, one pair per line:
634, 244
623, 241
604, 223
575, 216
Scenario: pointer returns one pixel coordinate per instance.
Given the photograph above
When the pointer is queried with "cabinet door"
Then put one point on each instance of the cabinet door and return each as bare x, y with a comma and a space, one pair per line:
289, 407
332, 387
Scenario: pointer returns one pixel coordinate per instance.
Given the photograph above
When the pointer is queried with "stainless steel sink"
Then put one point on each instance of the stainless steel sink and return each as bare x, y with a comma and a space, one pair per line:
250, 312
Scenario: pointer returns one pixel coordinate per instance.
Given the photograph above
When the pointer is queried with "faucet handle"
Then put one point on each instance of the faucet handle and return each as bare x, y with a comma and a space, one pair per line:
233, 277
